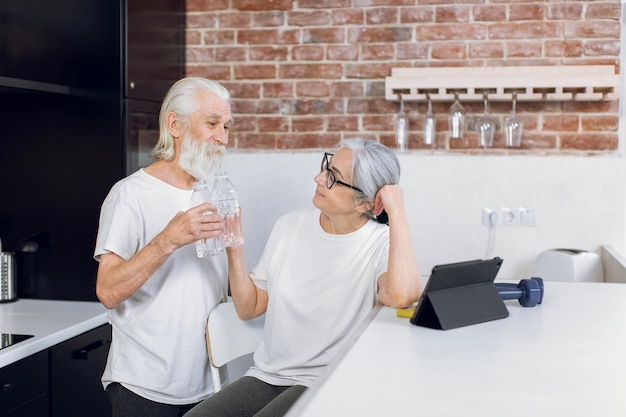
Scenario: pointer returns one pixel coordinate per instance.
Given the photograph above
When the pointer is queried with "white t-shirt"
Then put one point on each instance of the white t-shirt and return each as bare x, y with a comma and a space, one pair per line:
320, 287
158, 349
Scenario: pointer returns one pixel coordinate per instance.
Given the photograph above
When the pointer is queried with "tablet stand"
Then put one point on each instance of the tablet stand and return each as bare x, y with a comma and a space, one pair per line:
460, 306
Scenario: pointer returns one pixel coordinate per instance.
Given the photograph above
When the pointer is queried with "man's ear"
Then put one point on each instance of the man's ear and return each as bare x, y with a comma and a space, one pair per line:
174, 125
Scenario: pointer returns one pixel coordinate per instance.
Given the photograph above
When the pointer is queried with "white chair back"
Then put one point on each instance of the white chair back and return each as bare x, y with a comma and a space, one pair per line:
228, 338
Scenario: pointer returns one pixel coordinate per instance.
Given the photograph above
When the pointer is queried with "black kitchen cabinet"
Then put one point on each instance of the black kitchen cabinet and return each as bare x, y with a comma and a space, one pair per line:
76, 367
72, 74
24, 387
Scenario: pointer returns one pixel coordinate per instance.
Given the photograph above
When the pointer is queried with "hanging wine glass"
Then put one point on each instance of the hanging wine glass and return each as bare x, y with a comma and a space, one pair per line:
513, 127
485, 125
402, 127
456, 118
429, 124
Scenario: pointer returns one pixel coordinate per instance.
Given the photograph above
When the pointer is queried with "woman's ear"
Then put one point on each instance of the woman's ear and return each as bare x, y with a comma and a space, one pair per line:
364, 206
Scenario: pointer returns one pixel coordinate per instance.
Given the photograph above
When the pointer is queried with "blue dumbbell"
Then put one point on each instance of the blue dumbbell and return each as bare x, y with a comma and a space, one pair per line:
529, 292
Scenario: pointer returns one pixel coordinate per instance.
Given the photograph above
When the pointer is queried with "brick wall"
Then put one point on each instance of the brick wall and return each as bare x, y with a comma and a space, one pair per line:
306, 73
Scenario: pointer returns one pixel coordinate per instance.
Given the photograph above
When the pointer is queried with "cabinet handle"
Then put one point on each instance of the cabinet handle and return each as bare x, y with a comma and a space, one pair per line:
5, 386
83, 353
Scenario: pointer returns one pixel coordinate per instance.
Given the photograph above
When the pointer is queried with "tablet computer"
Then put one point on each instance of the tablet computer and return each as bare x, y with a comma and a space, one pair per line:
460, 294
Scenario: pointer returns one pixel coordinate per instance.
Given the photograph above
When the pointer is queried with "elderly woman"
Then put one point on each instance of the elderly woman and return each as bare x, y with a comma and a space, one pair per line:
321, 273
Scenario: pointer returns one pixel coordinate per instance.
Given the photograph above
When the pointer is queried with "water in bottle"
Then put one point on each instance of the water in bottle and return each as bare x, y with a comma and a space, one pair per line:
205, 247
227, 204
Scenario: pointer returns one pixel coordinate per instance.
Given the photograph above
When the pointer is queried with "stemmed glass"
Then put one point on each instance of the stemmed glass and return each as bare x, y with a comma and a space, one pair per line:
402, 126
513, 127
456, 118
429, 124
485, 125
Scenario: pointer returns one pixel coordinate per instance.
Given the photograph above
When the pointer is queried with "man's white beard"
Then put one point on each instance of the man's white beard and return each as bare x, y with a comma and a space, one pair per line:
201, 159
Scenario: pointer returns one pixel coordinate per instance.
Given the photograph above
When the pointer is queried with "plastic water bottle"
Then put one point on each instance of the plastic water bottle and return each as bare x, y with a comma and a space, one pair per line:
205, 247
227, 204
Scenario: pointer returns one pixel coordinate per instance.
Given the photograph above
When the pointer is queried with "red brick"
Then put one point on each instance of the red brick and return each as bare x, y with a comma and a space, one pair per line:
412, 50
267, 19
221, 37
347, 89
348, 17
381, 16
573, 48
229, 53
255, 5
526, 12
455, 13
324, 4
458, 31
342, 52
312, 89
379, 34
254, 72
604, 10
343, 123
603, 123
278, 89
268, 53
268, 36
370, 70
594, 29
377, 52
326, 35
489, 13
565, 11
200, 20
308, 18
214, 72
417, 15
206, 5
256, 141
315, 71
273, 124
589, 141
243, 90
307, 124
454, 50
602, 48
234, 20
525, 30
308, 53
255, 106
561, 123
486, 50
524, 49
243, 124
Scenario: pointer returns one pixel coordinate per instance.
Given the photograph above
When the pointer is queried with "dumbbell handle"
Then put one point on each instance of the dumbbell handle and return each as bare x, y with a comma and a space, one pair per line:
529, 292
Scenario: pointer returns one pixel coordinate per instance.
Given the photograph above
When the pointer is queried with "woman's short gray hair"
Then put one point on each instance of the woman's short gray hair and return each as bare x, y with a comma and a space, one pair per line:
373, 166
182, 99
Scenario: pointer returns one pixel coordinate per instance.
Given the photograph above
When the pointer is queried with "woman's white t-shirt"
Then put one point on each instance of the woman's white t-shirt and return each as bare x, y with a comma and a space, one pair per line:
320, 287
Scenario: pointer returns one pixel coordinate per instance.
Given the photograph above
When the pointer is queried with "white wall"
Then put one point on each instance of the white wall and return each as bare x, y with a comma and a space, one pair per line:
579, 202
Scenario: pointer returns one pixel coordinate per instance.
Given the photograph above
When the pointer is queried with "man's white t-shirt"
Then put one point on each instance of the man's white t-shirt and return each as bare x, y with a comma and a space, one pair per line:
158, 349
320, 287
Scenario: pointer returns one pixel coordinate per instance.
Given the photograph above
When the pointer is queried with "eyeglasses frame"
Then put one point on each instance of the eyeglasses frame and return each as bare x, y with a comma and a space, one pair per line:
329, 172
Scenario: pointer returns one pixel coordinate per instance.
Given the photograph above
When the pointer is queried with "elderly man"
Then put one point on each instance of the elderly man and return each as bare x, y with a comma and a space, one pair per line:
158, 291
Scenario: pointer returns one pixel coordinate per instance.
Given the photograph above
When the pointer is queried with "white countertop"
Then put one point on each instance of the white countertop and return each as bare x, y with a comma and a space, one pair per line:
49, 321
564, 357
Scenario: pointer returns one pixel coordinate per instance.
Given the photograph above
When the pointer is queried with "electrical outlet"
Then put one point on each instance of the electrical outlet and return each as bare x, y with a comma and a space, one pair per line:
527, 216
509, 217
490, 217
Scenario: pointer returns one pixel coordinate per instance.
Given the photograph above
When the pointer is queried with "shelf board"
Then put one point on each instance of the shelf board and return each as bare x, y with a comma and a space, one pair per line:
538, 83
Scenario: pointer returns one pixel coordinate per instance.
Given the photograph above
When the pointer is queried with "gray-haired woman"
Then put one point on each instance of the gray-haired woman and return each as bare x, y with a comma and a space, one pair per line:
322, 271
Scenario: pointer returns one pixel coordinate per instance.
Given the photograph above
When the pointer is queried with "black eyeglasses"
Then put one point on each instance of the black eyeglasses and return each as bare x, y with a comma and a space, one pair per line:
331, 179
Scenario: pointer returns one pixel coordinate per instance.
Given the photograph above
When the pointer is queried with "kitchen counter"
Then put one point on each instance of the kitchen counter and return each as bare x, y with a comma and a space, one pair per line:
49, 321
